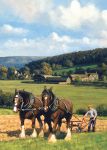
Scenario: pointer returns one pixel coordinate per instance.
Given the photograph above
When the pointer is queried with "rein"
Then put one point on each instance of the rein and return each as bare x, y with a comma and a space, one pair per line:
27, 106
52, 103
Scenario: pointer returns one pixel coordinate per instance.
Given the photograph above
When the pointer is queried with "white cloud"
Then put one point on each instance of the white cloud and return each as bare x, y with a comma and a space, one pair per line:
9, 29
50, 45
86, 40
53, 44
57, 38
104, 16
75, 15
103, 34
28, 10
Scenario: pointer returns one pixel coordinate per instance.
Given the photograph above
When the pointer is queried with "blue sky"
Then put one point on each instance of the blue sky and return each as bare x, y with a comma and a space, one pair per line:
51, 27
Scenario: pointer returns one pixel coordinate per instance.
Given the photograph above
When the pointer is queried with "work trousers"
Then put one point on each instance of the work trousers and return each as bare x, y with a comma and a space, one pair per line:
92, 124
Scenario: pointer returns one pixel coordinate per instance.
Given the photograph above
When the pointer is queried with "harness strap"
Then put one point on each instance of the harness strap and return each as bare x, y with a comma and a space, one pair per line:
29, 105
41, 103
54, 104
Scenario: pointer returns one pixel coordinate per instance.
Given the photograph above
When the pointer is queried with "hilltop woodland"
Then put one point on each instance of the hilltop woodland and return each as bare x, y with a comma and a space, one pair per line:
71, 63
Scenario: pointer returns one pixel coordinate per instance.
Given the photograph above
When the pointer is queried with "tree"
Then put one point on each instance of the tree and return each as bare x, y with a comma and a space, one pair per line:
102, 71
53, 66
11, 75
57, 67
25, 72
46, 69
68, 63
3, 72
80, 70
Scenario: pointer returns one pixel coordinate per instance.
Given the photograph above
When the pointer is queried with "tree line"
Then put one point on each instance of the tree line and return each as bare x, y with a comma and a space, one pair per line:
95, 56
50, 65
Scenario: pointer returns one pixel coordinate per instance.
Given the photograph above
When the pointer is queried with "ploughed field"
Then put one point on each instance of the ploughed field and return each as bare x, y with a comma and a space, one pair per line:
10, 127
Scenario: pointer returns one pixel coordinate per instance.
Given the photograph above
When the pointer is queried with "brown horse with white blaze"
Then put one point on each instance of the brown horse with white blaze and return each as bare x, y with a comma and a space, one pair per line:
29, 107
55, 110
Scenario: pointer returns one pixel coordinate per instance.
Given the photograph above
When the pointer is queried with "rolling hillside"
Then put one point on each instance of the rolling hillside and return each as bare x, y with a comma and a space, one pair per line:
18, 61
80, 58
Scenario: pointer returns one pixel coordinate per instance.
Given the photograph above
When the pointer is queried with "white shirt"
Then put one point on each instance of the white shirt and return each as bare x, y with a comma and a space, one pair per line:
92, 113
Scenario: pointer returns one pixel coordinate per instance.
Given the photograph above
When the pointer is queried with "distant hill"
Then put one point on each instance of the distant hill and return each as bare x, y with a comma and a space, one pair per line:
87, 57
18, 61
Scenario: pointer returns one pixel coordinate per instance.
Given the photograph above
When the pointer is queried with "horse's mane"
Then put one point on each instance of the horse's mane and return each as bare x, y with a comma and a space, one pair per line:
50, 92
25, 94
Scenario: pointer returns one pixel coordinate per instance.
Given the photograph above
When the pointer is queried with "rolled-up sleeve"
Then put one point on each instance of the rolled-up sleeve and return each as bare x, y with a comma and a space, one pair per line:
95, 113
87, 113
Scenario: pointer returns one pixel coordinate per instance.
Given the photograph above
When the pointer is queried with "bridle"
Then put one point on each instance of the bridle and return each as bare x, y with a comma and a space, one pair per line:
48, 95
25, 107
16, 100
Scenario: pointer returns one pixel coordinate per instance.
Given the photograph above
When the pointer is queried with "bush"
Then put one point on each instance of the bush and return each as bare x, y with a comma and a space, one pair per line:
102, 110
81, 111
5, 99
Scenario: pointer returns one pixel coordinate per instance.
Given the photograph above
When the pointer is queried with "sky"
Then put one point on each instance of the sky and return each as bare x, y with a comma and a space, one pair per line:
51, 27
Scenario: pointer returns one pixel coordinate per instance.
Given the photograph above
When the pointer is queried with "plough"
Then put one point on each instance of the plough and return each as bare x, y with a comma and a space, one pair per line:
78, 124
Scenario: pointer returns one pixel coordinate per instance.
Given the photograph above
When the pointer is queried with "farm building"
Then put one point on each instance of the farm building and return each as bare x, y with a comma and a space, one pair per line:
89, 77
52, 79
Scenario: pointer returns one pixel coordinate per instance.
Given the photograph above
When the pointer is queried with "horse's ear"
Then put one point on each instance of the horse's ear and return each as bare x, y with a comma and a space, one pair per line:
51, 88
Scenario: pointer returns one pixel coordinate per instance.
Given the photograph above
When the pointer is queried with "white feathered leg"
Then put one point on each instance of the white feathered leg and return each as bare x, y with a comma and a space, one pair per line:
41, 133
52, 138
68, 136
34, 134
22, 134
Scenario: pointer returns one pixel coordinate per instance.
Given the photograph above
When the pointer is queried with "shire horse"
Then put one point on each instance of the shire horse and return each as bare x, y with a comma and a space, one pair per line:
29, 107
54, 111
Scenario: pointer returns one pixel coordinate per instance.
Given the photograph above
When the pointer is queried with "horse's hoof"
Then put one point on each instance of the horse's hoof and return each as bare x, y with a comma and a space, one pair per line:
57, 133
52, 138
34, 135
67, 138
41, 133
22, 136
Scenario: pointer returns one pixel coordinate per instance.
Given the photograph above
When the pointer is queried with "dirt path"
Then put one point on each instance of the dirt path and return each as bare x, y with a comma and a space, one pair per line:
10, 127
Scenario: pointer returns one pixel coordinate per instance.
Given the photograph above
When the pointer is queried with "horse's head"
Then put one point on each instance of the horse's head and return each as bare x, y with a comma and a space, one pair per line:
47, 98
17, 100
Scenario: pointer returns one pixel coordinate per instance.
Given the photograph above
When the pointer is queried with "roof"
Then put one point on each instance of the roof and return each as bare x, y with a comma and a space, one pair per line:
56, 79
83, 75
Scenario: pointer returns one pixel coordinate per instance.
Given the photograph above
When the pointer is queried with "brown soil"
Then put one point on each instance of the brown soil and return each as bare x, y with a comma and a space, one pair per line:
10, 126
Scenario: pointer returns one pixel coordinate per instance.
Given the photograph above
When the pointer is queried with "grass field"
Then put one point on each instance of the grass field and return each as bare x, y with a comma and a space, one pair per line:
6, 111
83, 141
60, 71
81, 96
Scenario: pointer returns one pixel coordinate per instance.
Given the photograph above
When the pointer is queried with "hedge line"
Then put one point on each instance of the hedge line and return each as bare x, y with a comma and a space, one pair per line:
6, 99
101, 110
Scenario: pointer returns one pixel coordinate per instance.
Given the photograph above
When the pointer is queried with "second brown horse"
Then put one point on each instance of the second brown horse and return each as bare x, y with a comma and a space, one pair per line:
55, 110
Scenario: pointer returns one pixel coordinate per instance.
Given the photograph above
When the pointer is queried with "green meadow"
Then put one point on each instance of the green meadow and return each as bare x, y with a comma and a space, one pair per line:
81, 96
60, 71
6, 112
83, 141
